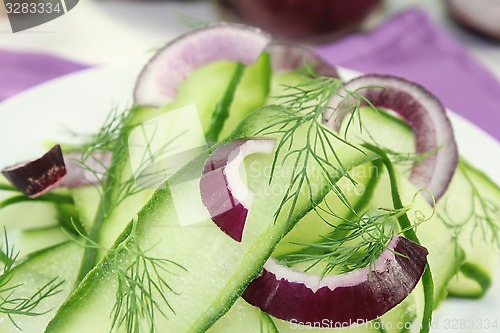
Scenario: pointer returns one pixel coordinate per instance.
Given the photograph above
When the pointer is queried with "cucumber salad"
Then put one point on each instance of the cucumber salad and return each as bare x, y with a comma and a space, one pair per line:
249, 188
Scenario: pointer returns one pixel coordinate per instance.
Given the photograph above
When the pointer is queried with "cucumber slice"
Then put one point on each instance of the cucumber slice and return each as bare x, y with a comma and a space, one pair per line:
472, 281
380, 128
384, 130
242, 318
312, 227
443, 258
389, 131
61, 263
217, 269
20, 218
86, 200
251, 91
461, 210
33, 240
28, 215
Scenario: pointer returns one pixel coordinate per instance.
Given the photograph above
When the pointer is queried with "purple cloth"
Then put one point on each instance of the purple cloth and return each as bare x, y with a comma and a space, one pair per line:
410, 45
20, 70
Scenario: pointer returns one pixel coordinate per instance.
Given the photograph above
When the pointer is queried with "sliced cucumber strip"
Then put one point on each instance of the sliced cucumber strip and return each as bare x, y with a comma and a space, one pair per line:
32, 240
87, 200
470, 210
57, 268
243, 318
443, 257
217, 269
317, 223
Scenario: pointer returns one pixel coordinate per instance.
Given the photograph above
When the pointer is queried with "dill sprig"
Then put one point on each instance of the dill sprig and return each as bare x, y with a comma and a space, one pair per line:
12, 305
302, 108
484, 215
142, 289
407, 158
353, 244
116, 182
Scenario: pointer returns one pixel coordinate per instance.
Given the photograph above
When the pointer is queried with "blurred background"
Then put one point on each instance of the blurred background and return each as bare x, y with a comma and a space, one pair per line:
452, 47
110, 31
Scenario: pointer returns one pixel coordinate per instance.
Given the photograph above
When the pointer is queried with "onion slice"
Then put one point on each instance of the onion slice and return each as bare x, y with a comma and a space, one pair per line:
223, 192
288, 57
427, 118
38, 176
159, 81
353, 297
91, 172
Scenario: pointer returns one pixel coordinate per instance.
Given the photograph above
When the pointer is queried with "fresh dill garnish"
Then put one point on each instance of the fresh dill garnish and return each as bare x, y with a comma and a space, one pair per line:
407, 158
303, 107
142, 290
354, 244
11, 304
403, 158
118, 183
483, 215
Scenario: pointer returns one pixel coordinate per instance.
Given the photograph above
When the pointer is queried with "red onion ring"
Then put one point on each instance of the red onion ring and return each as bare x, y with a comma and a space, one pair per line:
360, 295
425, 115
223, 193
158, 82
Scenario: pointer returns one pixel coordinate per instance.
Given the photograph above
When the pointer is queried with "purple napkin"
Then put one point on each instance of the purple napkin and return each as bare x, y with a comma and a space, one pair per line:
408, 45
412, 46
20, 71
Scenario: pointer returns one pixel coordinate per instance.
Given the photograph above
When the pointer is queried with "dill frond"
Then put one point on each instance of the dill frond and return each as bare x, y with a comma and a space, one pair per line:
142, 292
483, 215
303, 107
353, 244
12, 305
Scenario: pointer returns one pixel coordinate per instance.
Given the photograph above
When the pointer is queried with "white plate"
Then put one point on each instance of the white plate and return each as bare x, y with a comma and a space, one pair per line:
80, 102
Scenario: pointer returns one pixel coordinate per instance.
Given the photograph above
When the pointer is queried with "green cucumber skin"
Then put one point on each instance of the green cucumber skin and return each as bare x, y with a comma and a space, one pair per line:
254, 81
202, 249
60, 261
480, 255
34, 240
311, 228
243, 317
221, 111
472, 281
251, 93
86, 200
484, 255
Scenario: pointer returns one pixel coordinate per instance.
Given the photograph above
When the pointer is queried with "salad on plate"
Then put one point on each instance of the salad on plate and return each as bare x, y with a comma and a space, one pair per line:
249, 188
